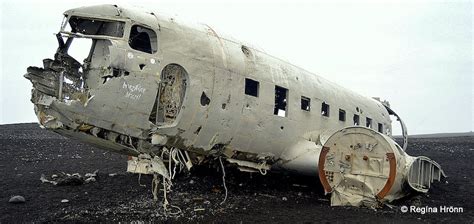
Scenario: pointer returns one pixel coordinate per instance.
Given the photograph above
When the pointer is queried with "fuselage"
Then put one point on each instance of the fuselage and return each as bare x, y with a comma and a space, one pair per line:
151, 81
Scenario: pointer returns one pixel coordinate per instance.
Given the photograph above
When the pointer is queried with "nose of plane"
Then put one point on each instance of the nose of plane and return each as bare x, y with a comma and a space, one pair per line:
118, 109
113, 115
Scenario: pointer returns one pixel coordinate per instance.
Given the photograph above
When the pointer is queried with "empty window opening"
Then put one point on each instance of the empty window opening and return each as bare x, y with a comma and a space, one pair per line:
80, 49
143, 39
356, 119
342, 115
281, 101
95, 27
251, 87
305, 103
325, 109
380, 128
368, 122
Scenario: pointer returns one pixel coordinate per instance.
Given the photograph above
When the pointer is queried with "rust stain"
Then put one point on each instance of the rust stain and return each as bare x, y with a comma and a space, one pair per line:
391, 176
322, 173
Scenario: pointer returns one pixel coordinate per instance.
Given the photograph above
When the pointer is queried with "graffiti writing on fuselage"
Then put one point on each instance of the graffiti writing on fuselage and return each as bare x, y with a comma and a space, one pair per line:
134, 92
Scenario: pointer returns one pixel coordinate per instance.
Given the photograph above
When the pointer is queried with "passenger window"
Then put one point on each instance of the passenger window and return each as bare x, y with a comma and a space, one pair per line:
368, 122
251, 87
380, 128
305, 103
342, 115
325, 109
281, 101
143, 39
356, 119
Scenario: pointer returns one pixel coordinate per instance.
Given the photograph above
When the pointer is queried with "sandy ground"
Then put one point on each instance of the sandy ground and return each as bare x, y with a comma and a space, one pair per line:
27, 152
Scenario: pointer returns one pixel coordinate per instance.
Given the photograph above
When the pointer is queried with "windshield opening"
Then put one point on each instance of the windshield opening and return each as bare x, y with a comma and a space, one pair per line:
96, 27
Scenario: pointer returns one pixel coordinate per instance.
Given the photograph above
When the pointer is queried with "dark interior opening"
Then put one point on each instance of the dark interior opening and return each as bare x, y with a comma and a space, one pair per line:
305, 103
356, 119
280, 101
204, 99
142, 39
96, 27
251, 87
368, 122
342, 115
325, 109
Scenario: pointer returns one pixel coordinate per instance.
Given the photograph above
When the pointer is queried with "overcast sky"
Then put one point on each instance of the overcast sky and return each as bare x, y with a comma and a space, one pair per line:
416, 54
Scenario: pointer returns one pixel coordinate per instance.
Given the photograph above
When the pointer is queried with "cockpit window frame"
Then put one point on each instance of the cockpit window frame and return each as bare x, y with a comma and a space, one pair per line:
128, 31
125, 37
66, 33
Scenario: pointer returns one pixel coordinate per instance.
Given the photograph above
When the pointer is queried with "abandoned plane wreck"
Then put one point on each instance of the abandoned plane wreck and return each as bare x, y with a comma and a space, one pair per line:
170, 95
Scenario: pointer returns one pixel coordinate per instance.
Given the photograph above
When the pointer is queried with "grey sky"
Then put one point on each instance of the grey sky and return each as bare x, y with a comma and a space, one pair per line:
418, 55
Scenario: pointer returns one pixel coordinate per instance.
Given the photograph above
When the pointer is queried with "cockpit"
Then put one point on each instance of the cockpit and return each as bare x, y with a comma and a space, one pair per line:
81, 37
106, 80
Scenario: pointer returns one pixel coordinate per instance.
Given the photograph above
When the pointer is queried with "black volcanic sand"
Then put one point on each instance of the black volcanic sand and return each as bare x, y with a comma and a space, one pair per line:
26, 152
